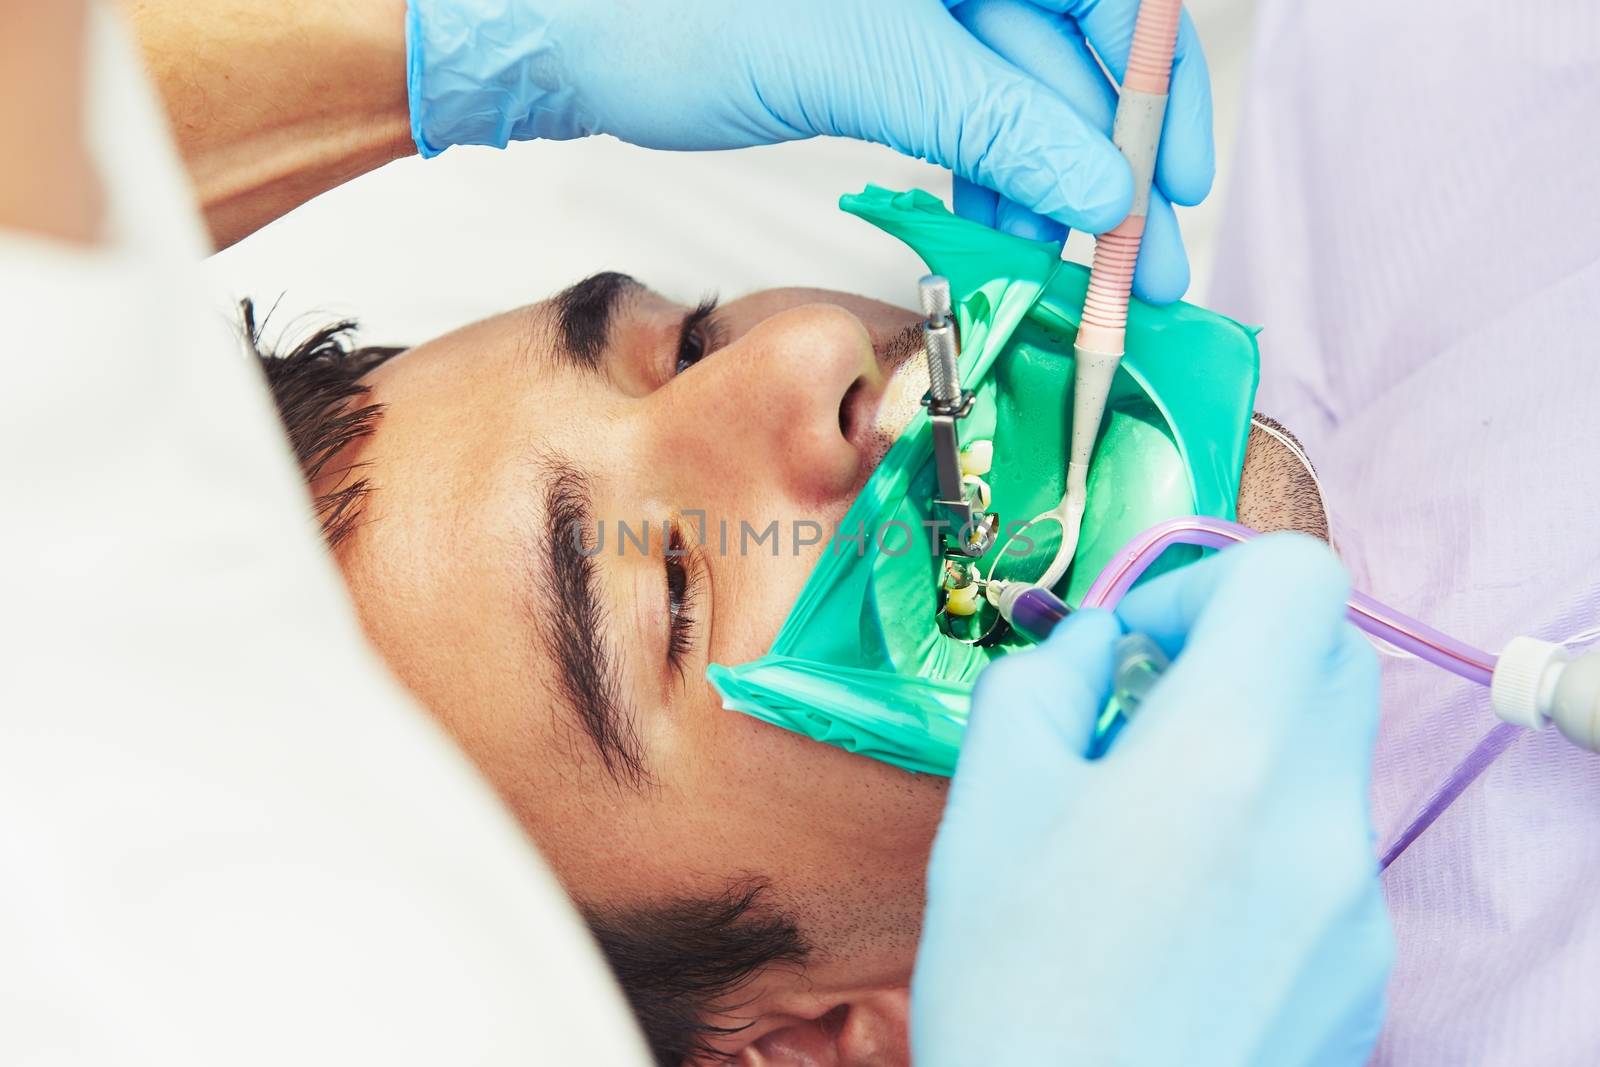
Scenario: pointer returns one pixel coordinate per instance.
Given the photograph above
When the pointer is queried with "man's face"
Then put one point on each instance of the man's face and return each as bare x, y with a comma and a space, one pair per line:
578, 682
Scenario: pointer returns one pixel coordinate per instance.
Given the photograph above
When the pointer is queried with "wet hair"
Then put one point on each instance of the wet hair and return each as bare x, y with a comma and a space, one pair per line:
678, 961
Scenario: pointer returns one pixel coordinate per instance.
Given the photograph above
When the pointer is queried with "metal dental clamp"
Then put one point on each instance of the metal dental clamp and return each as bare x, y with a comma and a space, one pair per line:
947, 405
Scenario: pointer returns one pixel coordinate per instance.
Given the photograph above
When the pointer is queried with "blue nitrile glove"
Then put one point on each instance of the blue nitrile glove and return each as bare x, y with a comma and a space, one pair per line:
731, 73
1206, 893
1049, 40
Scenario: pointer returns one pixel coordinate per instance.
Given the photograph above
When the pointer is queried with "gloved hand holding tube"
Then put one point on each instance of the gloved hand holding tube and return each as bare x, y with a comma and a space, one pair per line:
1207, 892
1050, 40
904, 73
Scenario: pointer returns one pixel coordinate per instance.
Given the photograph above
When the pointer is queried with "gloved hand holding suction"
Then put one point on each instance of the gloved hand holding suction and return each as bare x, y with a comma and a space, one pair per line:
1207, 892
733, 73
1050, 40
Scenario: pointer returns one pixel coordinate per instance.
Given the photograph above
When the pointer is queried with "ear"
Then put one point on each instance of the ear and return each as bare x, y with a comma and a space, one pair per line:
861, 1029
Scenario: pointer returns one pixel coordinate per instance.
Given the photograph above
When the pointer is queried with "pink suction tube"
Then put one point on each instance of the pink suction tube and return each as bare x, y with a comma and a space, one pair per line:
1382, 622
1116, 252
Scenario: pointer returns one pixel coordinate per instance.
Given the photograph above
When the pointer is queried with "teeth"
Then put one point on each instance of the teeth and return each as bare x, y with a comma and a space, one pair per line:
972, 480
963, 601
977, 458
962, 592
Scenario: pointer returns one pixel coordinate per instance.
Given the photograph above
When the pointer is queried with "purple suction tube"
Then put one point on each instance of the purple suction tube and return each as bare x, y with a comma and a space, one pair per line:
1380, 621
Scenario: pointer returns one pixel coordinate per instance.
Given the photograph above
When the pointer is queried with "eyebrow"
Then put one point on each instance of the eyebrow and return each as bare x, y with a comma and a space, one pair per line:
584, 314
575, 631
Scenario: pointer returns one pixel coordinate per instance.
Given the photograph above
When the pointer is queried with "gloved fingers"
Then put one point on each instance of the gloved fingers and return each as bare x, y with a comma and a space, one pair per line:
1263, 632
1187, 165
1045, 698
1045, 46
974, 202
1052, 49
1162, 272
1187, 162
1286, 593
1166, 607
1011, 217
1353, 703
988, 208
1032, 716
1260, 654
966, 108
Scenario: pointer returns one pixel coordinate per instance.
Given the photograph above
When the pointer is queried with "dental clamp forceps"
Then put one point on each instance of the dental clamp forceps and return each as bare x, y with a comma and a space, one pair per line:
947, 405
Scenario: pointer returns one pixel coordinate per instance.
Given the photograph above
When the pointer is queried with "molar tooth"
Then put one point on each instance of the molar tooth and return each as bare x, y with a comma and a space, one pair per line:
963, 601
977, 458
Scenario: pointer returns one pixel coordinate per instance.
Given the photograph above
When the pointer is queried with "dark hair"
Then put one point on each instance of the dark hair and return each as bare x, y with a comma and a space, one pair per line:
317, 388
683, 959
677, 962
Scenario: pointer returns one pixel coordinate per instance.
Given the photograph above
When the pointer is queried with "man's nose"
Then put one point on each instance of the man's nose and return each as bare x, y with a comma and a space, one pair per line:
792, 401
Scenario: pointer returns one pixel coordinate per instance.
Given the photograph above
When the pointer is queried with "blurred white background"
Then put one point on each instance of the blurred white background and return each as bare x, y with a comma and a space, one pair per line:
420, 247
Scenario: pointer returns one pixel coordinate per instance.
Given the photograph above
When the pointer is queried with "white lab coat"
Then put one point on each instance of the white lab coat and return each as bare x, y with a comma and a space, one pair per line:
226, 836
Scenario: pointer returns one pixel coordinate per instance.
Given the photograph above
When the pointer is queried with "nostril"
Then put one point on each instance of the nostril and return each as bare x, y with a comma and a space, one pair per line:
848, 414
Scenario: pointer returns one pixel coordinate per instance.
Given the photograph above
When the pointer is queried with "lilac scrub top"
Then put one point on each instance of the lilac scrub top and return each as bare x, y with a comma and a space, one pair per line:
1415, 218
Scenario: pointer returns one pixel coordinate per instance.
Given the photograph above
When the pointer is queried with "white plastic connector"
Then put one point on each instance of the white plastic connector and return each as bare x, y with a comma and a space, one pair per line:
1524, 683
1536, 683
1576, 711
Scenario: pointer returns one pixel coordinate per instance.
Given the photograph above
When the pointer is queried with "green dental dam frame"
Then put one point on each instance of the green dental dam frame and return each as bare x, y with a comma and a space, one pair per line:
862, 660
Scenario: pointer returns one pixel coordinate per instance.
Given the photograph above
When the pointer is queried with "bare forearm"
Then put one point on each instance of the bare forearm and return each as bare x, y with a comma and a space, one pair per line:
275, 101
48, 187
